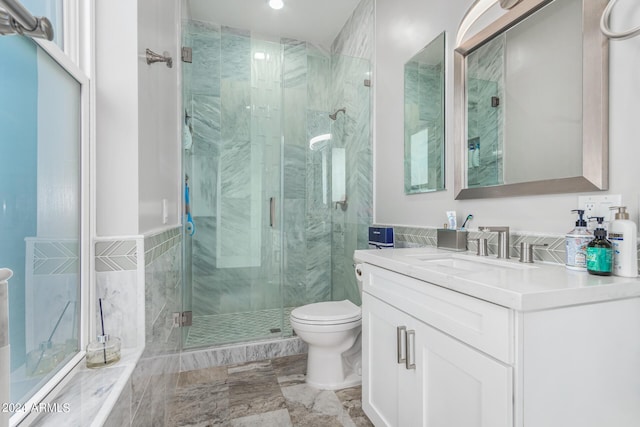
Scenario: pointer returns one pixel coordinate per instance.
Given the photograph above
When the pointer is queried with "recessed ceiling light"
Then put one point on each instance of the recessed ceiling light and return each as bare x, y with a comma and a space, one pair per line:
276, 4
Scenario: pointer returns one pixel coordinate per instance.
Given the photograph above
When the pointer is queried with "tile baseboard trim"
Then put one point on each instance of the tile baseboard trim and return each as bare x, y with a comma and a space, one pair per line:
241, 353
415, 237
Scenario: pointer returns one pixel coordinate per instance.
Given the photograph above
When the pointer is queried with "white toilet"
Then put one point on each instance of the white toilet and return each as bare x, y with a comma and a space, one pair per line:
332, 331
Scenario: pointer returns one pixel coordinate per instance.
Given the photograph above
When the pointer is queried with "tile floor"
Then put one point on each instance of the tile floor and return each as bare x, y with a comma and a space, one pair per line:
238, 327
266, 393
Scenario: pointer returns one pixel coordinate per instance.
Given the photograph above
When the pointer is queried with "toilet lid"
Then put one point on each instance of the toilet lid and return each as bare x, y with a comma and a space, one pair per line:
328, 312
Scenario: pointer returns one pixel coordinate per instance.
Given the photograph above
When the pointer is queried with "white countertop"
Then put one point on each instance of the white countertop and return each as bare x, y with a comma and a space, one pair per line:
508, 283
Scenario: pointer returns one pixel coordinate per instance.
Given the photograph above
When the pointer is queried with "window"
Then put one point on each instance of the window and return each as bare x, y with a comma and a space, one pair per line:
42, 211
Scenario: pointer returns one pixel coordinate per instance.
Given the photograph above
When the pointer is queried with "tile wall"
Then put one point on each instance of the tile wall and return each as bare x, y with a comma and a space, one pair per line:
352, 56
303, 88
414, 237
145, 396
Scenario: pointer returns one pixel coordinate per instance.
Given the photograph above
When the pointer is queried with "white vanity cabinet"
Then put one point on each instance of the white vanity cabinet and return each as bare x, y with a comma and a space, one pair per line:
470, 362
416, 375
441, 383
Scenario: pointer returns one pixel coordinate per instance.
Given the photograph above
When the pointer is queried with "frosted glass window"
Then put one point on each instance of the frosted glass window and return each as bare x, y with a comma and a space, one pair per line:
40, 212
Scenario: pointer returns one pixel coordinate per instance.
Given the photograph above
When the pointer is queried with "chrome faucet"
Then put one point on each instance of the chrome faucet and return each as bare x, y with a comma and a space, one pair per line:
503, 239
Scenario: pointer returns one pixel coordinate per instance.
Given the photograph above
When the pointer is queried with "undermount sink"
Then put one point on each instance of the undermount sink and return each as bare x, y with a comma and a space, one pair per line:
463, 264
457, 264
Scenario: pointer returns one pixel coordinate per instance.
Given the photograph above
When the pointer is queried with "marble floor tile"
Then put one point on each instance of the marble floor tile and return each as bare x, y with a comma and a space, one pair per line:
253, 389
279, 418
199, 405
351, 399
290, 370
216, 375
269, 393
309, 406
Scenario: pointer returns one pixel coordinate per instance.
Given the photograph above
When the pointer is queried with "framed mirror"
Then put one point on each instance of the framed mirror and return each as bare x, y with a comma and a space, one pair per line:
424, 119
531, 102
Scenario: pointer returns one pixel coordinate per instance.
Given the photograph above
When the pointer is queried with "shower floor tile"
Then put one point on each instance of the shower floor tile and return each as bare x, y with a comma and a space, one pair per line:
238, 327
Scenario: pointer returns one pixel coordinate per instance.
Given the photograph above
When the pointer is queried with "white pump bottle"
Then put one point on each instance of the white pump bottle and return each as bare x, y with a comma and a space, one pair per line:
623, 234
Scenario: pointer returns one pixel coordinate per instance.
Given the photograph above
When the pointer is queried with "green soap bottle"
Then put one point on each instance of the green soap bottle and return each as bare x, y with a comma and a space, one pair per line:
600, 252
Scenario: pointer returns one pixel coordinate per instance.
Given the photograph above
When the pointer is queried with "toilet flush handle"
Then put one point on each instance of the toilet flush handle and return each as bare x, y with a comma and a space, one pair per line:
358, 270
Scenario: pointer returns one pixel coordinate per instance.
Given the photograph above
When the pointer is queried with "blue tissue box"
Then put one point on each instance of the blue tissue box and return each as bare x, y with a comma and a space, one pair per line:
380, 237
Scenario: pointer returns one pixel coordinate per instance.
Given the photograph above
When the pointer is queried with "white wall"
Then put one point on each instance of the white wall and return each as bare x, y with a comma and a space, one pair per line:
116, 82
137, 125
159, 150
544, 87
405, 26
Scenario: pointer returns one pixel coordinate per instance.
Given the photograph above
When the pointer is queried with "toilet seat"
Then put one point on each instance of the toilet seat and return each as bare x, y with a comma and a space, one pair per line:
327, 313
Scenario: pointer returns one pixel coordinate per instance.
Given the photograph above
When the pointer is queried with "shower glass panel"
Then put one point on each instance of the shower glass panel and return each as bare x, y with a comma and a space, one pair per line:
39, 211
233, 96
351, 133
269, 172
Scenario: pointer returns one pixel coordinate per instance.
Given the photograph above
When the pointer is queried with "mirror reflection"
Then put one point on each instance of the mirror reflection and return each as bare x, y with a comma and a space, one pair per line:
424, 119
519, 76
531, 99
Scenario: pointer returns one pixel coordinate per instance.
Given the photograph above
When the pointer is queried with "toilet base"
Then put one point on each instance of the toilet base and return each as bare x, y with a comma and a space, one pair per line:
352, 380
331, 370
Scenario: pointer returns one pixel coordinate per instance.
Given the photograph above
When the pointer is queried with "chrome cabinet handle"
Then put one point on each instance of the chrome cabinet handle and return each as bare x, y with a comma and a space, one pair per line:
411, 350
401, 332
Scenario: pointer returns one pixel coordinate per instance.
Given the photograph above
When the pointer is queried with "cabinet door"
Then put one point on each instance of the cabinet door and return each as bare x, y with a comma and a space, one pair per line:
461, 386
384, 376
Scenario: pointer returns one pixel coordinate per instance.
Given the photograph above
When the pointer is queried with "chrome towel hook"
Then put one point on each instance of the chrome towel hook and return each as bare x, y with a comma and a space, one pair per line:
606, 29
153, 57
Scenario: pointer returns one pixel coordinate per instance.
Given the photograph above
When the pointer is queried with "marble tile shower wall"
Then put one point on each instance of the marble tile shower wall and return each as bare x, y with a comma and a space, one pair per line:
307, 204
150, 388
352, 54
237, 102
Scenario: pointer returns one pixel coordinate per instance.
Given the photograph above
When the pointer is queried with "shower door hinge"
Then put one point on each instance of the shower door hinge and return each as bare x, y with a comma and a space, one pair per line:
367, 82
182, 319
187, 54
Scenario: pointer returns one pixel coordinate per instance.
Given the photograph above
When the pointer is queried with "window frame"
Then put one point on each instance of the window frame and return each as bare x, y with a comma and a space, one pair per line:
76, 60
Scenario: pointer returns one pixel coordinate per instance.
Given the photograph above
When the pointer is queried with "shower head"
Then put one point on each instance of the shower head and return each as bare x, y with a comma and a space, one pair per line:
335, 115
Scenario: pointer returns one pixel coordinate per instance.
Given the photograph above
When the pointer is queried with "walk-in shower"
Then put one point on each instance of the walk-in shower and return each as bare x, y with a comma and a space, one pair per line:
266, 163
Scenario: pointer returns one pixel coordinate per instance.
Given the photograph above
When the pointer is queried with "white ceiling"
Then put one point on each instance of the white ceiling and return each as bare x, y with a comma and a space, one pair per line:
316, 21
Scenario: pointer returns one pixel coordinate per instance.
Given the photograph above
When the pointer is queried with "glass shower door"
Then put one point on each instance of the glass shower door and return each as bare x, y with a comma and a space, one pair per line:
233, 163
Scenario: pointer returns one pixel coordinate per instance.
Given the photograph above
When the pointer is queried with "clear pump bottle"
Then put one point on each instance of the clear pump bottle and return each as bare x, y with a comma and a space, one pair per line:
576, 242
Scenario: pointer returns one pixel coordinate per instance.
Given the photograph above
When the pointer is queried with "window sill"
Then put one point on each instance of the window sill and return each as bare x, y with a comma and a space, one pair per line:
87, 396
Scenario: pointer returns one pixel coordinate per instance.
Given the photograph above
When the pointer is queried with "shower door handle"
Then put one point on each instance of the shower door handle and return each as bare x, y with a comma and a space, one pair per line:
272, 212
